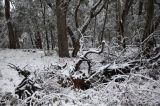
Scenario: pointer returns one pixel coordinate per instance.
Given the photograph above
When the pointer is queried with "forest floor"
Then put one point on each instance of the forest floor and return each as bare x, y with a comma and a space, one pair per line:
138, 89
29, 59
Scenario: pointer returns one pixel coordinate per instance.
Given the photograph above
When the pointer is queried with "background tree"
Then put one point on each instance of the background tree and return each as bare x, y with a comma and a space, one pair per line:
94, 11
1, 15
61, 9
43, 24
1, 9
122, 20
13, 38
148, 27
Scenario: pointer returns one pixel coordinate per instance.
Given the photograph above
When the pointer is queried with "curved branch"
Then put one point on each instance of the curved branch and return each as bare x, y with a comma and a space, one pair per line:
84, 58
99, 52
92, 15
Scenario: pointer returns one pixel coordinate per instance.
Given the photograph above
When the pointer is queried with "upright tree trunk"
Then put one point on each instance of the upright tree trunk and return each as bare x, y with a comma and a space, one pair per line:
104, 24
83, 28
94, 32
62, 28
52, 39
44, 22
148, 28
13, 39
122, 19
140, 7
38, 40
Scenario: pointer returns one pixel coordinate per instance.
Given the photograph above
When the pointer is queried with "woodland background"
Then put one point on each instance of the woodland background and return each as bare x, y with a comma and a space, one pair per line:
80, 52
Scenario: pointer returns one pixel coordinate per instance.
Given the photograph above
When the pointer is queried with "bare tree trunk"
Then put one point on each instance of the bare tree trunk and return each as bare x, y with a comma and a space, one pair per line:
44, 21
122, 19
105, 20
148, 28
61, 28
140, 7
83, 28
30, 35
13, 39
94, 34
52, 40
43, 7
16, 37
38, 40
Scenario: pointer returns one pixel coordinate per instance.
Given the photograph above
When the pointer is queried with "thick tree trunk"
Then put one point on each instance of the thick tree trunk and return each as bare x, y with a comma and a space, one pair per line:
62, 29
13, 39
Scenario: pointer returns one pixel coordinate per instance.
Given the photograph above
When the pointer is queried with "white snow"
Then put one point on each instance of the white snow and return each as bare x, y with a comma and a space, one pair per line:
133, 90
30, 60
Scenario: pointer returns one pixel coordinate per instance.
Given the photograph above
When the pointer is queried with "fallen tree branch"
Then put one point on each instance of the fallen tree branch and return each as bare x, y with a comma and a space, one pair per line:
83, 83
24, 72
99, 52
84, 58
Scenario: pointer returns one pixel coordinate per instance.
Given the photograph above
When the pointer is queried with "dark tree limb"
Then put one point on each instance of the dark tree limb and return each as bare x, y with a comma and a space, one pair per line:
155, 58
76, 13
155, 1
96, 13
20, 71
92, 15
99, 52
105, 21
84, 58
140, 7
83, 28
27, 86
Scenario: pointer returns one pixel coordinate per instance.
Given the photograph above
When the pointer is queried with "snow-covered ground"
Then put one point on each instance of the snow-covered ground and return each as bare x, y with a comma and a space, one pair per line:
138, 89
29, 59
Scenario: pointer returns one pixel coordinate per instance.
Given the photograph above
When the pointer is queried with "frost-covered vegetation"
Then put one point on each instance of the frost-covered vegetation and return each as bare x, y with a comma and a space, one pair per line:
139, 87
79, 52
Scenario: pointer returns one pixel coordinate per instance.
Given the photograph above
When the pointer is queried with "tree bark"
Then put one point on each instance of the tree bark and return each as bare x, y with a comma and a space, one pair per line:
93, 13
13, 39
105, 20
62, 29
140, 7
147, 30
121, 23
52, 39
44, 22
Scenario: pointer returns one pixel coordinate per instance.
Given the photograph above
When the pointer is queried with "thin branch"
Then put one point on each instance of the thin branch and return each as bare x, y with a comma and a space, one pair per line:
95, 14
92, 15
99, 52
76, 14
96, 5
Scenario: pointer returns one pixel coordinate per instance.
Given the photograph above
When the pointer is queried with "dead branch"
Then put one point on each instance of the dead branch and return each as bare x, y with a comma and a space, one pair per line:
92, 15
99, 52
24, 73
84, 58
